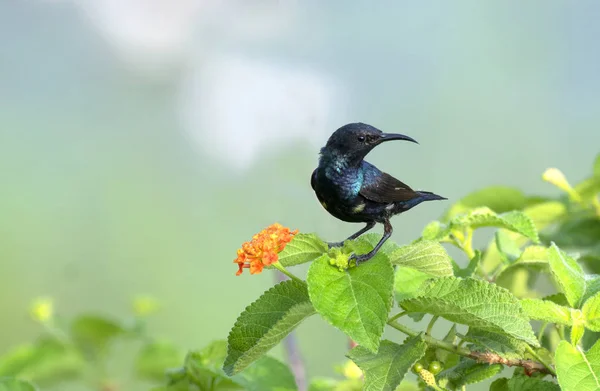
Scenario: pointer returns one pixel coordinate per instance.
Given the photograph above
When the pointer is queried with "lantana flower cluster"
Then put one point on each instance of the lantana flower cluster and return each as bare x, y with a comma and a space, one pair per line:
263, 249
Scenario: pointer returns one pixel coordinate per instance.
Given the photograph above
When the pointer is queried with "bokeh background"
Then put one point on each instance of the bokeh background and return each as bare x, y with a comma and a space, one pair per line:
142, 141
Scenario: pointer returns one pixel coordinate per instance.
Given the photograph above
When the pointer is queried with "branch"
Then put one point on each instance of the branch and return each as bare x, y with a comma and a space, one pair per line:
530, 366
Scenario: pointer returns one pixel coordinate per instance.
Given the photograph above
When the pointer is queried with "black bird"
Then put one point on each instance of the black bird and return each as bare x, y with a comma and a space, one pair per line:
356, 191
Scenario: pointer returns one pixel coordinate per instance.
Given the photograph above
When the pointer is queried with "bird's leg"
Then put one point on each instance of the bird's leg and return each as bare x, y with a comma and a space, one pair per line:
387, 232
369, 226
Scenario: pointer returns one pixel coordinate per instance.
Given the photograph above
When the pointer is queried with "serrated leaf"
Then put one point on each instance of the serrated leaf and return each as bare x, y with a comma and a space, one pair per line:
266, 322
523, 383
267, 374
592, 286
577, 370
515, 221
468, 372
498, 198
385, 370
301, 249
204, 368
426, 256
568, 274
547, 311
591, 312
503, 345
154, 358
435, 231
356, 301
12, 384
475, 303
408, 282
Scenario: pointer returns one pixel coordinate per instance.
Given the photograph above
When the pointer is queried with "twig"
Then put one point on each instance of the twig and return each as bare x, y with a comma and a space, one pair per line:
291, 346
530, 366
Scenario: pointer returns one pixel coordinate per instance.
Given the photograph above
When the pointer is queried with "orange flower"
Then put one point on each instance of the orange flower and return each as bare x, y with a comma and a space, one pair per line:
262, 250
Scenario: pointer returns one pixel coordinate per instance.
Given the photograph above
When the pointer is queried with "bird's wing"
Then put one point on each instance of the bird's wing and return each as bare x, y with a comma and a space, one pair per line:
313, 179
384, 188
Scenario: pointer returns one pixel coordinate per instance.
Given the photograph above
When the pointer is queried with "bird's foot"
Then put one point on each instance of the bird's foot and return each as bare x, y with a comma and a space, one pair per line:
358, 259
335, 244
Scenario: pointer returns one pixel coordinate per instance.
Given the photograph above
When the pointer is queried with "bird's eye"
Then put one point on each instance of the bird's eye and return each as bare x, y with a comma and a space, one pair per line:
361, 138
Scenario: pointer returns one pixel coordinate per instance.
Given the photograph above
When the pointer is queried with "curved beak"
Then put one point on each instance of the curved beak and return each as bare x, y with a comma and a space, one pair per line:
395, 136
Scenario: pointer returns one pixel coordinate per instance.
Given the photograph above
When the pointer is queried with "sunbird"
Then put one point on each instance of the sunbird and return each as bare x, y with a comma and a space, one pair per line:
353, 190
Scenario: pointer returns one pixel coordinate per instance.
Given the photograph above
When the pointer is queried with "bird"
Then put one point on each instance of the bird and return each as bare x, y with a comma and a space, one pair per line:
355, 191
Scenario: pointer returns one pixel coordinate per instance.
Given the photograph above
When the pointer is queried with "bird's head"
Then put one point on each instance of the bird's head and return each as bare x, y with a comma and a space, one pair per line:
354, 141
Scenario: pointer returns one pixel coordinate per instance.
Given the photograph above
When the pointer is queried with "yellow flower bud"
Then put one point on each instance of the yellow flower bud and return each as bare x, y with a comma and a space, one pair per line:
42, 309
144, 305
558, 179
352, 371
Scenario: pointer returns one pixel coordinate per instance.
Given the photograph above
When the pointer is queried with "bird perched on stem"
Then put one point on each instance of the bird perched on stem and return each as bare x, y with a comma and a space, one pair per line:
356, 191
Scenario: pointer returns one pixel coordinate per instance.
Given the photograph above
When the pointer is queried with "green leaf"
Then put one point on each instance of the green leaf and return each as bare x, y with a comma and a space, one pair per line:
503, 345
547, 311
578, 370
507, 246
577, 232
204, 369
48, 361
301, 249
322, 384
468, 372
12, 384
408, 282
546, 213
265, 323
426, 256
154, 358
435, 231
523, 383
515, 221
597, 166
498, 198
577, 332
588, 189
94, 333
475, 303
356, 301
447, 358
267, 374
385, 370
568, 274
520, 275
592, 286
591, 313
471, 268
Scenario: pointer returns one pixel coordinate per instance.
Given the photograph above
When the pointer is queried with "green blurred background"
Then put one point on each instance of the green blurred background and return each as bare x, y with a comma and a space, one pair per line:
142, 142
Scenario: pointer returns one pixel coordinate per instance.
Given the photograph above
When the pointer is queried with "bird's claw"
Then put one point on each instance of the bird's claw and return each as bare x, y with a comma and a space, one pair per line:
335, 244
358, 259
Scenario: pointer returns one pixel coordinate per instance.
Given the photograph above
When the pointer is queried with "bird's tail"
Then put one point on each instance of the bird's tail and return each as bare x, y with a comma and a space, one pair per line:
421, 197
429, 196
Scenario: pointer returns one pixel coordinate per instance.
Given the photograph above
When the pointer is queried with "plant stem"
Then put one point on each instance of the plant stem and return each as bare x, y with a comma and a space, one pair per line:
430, 325
540, 359
541, 332
282, 269
398, 315
488, 357
468, 244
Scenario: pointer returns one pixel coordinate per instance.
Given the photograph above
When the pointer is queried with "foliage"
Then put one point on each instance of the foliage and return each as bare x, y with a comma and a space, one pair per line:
491, 296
